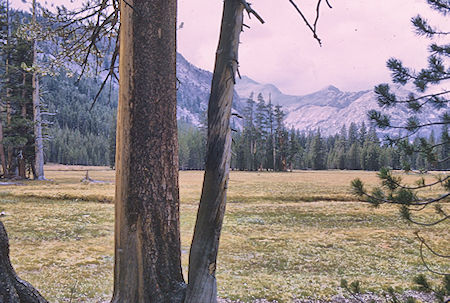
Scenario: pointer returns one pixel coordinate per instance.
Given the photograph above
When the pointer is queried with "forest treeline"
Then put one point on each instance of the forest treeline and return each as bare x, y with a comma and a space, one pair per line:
261, 140
75, 133
265, 143
78, 134
16, 117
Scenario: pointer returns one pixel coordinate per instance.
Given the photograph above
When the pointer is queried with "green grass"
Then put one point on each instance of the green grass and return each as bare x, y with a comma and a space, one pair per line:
285, 235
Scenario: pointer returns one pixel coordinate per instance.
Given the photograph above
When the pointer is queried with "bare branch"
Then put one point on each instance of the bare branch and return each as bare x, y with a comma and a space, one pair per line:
250, 11
429, 248
429, 224
313, 27
426, 264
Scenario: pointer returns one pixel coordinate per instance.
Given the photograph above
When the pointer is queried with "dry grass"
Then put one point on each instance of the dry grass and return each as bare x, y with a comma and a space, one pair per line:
275, 243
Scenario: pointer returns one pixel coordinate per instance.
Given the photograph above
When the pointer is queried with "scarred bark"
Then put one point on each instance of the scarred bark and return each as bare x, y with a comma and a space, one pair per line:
202, 285
147, 237
12, 288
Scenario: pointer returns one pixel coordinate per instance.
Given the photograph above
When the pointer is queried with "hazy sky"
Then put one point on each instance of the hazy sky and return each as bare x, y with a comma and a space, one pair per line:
358, 37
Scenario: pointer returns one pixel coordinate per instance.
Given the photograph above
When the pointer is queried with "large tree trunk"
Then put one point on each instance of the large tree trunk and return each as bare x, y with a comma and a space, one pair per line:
39, 142
202, 285
147, 237
12, 288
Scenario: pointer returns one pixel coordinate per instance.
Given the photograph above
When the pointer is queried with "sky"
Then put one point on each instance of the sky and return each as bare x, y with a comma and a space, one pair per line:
357, 36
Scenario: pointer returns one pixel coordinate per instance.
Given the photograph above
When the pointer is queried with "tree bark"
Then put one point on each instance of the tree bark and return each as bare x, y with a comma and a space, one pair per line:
202, 285
2, 148
2, 151
12, 288
21, 159
10, 165
147, 229
39, 142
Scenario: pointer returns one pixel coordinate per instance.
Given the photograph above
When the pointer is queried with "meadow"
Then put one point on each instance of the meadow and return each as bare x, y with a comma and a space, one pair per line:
285, 236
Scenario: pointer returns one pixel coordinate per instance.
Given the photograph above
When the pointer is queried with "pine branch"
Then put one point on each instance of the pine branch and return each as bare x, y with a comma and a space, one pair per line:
431, 223
423, 28
440, 6
422, 240
426, 264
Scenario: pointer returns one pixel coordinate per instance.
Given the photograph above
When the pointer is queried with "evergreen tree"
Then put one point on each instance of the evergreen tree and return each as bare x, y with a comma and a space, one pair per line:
362, 134
249, 133
280, 139
112, 142
294, 149
17, 132
354, 156
444, 149
317, 152
393, 190
270, 146
352, 134
260, 132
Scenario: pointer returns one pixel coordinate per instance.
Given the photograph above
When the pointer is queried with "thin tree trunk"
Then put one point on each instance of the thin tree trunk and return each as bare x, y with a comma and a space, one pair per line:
21, 159
202, 285
2, 148
33, 170
147, 229
10, 166
272, 133
12, 288
39, 142
2, 151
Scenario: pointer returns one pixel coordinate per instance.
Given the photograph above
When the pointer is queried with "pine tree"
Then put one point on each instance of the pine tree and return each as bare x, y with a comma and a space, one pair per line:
444, 149
112, 142
260, 132
280, 139
270, 146
294, 149
352, 134
17, 135
317, 152
249, 133
393, 190
362, 134
354, 156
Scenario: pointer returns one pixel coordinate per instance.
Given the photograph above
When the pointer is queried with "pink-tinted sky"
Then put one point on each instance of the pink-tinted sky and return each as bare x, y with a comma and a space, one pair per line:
358, 37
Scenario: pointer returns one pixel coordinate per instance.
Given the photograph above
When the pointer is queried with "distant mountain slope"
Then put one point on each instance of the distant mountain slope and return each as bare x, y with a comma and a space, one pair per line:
328, 109
193, 92
245, 86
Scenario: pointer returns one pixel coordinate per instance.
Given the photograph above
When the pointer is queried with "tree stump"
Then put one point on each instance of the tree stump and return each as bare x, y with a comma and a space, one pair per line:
12, 288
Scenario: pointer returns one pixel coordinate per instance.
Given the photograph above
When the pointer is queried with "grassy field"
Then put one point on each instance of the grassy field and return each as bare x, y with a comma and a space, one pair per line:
286, 235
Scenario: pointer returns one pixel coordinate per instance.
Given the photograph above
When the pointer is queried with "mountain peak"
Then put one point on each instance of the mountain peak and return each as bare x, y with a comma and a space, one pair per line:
331, 88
